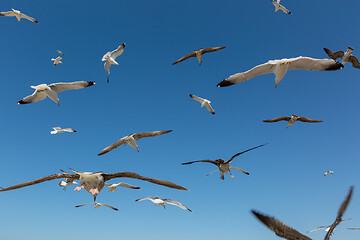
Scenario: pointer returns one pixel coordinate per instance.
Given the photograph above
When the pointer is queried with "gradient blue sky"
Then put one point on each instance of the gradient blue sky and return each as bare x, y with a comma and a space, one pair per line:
146, 93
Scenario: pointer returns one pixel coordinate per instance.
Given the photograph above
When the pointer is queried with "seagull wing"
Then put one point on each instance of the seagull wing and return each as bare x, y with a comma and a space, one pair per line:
315, 229
28, 18
354, 61
312, 64
59, 87
279, 228
176, 203
114, 208
35, 97
354, 228
334, 55
199, 99
127, 185
208, 161
184, 58
278, 119
7, 14
137, 176
40, 180
238, 154
240, 170
244, 76
208, 107
213, 49
85, 204
112, 147
284, 9
304, 119
145, 198
141, 135
118, 51
69, 130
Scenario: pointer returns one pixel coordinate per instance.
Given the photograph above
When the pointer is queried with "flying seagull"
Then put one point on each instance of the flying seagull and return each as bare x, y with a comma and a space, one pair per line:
57, 60
112, 187
204, 102
198, 54
161, 202
341, 211
94, 182
224, 166
278, 6
60, 130
327, 228
328, 172
97, 205
345, 57
59, 52
291, 120
131, 140
110, 57
354, 228
67, 181
18, 15
43, 90
279, 228
280, 67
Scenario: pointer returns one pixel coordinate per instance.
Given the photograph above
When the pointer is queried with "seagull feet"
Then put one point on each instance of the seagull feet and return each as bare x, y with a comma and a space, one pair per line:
94, 191
232, 177
79, 188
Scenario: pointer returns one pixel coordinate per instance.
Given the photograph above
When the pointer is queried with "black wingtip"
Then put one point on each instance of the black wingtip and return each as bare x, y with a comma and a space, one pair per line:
91, 83
335, 66
225, 83
22, 102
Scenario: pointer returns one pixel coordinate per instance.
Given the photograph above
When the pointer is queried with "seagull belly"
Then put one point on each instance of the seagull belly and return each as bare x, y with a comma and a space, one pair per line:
280, 71
92, 181
224, 168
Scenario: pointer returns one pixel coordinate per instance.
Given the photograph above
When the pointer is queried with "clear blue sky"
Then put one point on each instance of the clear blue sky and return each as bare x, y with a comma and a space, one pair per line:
146, 93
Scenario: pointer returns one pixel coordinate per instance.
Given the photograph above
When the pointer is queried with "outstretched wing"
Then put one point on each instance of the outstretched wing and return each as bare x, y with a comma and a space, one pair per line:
28, 18
304, 119
137, 176
176, 203
315, 229
334, 55
117, 52
213, 49
7, 14
35, 97
196, 98
184, 58
145, 198
141, 135
208, 107
278, 119
208, 161
85, 204
312, 64
112, 147
284, 9
114, 208
354, 61
121, 184
59, 87
232, 158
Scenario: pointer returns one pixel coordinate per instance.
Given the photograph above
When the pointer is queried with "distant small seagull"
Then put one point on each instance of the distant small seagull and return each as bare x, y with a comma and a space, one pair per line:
327, 228
110, 57
112, 187
204, 102
59, 52
291, 120
224, 166
43, 90
280, 67
131, 140
345, 57
328, 172
198, 54
97, 205
279, 228
278, 6
354, 228
67, 182
161, 202
57, 60
18, 15
62, 130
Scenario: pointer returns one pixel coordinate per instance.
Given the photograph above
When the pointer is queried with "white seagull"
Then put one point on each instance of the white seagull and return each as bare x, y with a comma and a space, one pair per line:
97, 205
161, 202
62, 130
345, 56
57, 60
327, 228
18, 15
43, 90
112, 187
278, 6
110, 57
67, 182
291, 120
328, 172
59, 52
204, 102
198, 54
280, 67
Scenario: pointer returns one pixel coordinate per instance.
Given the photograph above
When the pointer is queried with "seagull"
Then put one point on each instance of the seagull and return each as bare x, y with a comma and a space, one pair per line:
224, 166
278, 6
59, 52
59, 130
131, 140
328, 172
280, 67
97, 205
94, 182
67, 182
198, 54
43, 90
18, 15
345, 57
279, 228
204, 102
161, 202
291, 120
110, 57
327, 228
57, 60
354, 228
112, 187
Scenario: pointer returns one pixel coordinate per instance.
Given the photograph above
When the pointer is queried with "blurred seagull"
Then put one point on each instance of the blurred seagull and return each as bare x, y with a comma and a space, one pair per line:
291, 120
67, 182
97, 205
345, 57
59, 52
57, 60
60, 130
94, 182
204, 102
43, 90
224, 166
328, 172
18, 15
327, 228
198, 54
112, 187
161, 202
280, 67
131, 140
110, 57
278, 6
354, 228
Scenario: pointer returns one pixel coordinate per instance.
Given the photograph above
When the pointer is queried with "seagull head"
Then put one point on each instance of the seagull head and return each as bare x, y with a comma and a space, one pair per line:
15, 11
350, 48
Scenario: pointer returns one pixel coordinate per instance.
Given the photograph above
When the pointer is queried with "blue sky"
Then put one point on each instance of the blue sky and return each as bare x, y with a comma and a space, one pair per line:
146, 93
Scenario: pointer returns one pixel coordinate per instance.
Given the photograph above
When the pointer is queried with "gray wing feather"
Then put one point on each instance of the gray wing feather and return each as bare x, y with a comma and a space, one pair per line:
28, 18
312, 64
176, 203
213, 49
184, 58
35, 97
354, 61
238, 154
59, 87
7, 14
278, 119
141, 135
117, 52
145, 198
304, 119
114, 208
112, 147
334, 55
